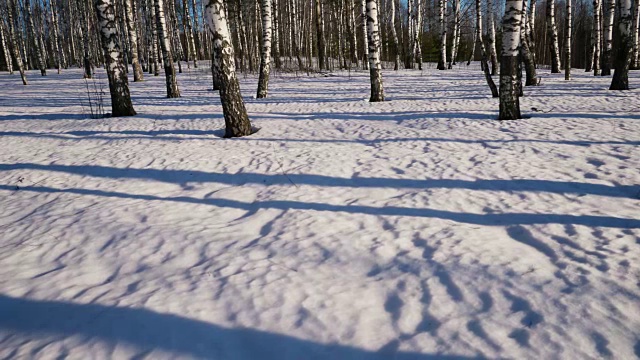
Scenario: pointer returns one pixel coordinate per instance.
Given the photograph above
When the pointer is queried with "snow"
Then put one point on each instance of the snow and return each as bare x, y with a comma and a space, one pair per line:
416, 228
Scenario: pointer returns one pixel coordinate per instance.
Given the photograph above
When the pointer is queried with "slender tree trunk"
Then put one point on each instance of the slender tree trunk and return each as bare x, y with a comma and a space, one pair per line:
352, 32
154, 38
5, 47
265, 58
235, 114
443, 35
418, 35
373, 39
133, 40
55, 41
320, 36
509, 101
532, 31
12, 13
118, 84
608, 37
188, 31
456, 32
553, 36
525, 50
567, 43
597, 32
276, 47
492, 37
294, 30
36, 39
620, 79
199, 53
88, 72
394, 36
483, 51
365, 56
473, 48
635, 60
165, 46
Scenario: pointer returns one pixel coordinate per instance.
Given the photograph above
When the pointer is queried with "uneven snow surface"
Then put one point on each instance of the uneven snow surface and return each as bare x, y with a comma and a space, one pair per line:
417, 228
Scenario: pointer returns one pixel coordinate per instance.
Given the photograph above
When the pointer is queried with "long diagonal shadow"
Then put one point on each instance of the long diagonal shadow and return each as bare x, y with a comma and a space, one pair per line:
147, 330
186, 176
492, 219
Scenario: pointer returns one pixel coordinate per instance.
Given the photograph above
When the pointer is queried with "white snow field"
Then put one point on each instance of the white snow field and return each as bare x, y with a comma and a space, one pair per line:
417, 228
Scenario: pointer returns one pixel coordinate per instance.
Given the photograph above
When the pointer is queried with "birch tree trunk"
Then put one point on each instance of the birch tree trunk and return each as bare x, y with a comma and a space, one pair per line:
532, 30
620, 79
235, 114
154, 38
36, 39
394, 36
552, 32
443, 35
55, 41
492, 37
363, 15
597, 32
265, 54
133, 40
353, 29
114, 65
276, 47
373, 37
635, 64
167, 58
525, 50
12, 13
188, 32
418, 36
408, 63
456, 32
5, 47
483, 51
320, 35
608, 37
567, 43
511, 22
88, 72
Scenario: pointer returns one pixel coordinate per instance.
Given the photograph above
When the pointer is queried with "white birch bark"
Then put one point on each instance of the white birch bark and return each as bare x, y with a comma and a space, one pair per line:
442, 5
188, 31
373, 38
552, 33
133, 40
13, 39
492, 37
276, 47
118, 85
265, 54
597, 34
509, 88
5, 48
235, 115
418, 35
622, 60
394, 36
363, 13
56, 40
167, 58
86, 44
456, 32
483, 51
634, 37
36, 39
567, 43
608, 17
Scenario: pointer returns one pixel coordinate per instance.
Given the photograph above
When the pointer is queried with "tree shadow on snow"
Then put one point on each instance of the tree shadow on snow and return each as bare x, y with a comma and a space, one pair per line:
148, 330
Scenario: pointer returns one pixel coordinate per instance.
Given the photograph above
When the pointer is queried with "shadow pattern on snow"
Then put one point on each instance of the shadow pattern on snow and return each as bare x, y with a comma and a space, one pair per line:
147, 330
492, 219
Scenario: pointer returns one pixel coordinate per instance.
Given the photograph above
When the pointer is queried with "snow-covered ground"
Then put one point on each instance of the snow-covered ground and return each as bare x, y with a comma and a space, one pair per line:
417, 228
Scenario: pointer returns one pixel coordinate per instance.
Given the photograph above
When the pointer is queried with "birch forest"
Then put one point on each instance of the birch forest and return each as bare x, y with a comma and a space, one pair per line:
319, 179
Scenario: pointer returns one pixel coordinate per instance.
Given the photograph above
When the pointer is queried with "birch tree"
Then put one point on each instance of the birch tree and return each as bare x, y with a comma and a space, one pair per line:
634, 37
552, 33
265, 58
13, 38
133, 40
483, 51
5, 46
55, 41
37, 46
456, 32
492, 37
235, 114
363, 15
118, 85
525, 49
373, 37
567, 43
620, 79
597, 32
394, 36
188, 32
443, 35
607, 27
320, 35
509, 101
167, 58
